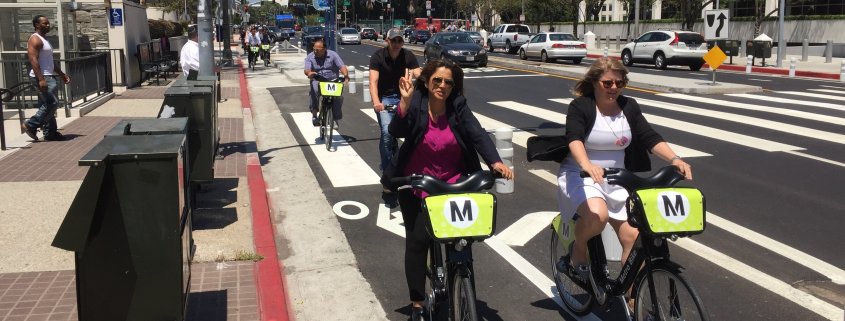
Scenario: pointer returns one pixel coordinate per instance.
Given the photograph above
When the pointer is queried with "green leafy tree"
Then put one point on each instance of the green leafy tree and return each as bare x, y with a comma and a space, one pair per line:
690, 11
177, 6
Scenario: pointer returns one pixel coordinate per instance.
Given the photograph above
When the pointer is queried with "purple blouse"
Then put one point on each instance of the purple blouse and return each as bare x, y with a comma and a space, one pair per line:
437, 155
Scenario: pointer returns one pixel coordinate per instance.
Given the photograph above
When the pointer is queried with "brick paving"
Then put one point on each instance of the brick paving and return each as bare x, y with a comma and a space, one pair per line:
224, 294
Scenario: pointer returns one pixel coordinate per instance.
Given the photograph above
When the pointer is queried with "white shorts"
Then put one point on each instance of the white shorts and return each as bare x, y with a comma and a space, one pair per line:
574, 190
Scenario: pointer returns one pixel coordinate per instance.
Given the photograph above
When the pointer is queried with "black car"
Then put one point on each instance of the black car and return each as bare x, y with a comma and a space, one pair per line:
369, 33
408, 32
420, 36
457, 46
311, 34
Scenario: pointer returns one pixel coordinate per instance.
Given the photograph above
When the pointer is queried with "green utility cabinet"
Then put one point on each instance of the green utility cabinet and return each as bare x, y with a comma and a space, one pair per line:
130, 230
198, 105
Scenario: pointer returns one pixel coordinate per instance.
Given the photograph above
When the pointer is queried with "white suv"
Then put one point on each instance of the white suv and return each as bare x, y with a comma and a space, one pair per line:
665, 47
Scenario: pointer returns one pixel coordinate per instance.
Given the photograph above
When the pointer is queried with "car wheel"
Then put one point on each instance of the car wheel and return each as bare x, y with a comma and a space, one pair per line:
544, 57
490, 46
660, 61
483, 64
576, 61
695, 67
627, 60
508, 47
522, 54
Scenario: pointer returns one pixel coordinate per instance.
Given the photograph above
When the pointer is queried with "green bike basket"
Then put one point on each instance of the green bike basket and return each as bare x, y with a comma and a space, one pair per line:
463, 215
668, 211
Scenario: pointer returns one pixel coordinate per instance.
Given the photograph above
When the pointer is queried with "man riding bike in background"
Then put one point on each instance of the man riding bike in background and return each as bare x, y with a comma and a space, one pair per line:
252, 39
327, 65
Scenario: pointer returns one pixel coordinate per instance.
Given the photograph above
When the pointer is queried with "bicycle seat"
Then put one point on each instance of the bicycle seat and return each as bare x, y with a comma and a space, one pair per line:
666, 176
480, 180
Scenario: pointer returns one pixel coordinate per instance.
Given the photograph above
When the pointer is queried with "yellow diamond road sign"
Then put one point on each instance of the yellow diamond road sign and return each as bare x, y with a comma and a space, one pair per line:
715, 57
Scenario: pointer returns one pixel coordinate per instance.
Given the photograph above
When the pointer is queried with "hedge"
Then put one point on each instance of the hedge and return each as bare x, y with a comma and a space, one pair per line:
162, 28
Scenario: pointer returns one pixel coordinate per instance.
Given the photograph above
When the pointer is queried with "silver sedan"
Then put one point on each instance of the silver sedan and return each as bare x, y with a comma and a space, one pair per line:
550, 46
348, 35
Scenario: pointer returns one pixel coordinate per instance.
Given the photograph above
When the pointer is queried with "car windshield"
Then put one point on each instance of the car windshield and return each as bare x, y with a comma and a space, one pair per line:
349, 31
423, 33
562, 37
274, 29
313, 30
689, 37
369, 30
473, 33
456, 38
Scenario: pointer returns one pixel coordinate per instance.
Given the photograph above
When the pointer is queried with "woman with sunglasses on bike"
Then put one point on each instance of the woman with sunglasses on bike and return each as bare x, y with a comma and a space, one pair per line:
604, 129
442, 139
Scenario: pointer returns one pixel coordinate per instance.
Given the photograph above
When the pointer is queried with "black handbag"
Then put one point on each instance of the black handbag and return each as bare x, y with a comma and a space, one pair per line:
547, 148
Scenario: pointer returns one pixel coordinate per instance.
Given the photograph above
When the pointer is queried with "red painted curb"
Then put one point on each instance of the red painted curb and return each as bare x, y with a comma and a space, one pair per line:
269, 280
764, 70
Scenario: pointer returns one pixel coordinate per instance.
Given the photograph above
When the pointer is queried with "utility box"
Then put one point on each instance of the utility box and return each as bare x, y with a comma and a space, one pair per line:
197, 104
130, 230
760, 47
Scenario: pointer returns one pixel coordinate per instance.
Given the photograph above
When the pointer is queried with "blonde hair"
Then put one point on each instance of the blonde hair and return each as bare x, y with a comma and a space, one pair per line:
586, 86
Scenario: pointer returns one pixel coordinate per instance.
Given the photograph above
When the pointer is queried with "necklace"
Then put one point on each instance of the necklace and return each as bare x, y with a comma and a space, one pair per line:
620, 141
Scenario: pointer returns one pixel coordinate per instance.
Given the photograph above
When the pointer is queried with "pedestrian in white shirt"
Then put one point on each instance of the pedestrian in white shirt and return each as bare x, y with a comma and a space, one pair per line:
189, 57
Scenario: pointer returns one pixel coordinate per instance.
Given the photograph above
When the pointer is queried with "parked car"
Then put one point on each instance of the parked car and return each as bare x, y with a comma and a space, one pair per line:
311, 34
420, 36
369, 33
288, 34
407, 33
550, 46
275, 33
509, 37
475, 36
666, 47
457, 46
348, 35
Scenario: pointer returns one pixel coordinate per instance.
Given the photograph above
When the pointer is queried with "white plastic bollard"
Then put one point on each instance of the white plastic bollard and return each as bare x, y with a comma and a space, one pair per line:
842, 71
748, 61
792, 67
365, 87
504, 145
300, 47
352, 87
605, 52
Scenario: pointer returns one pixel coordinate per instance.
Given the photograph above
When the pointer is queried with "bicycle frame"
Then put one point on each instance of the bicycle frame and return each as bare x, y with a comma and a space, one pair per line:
456, 261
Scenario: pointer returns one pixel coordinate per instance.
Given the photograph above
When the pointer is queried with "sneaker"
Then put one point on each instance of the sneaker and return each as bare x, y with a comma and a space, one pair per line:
315, 121
582, 272
389, 198
56, 136
30, 131
417, 314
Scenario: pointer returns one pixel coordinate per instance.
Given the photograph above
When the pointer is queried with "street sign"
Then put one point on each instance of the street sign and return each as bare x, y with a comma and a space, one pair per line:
115, 17
716, 24
428, 5
715, 57
474, 17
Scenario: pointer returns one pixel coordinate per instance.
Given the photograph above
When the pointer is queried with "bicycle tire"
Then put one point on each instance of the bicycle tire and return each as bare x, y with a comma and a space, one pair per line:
578, 300
322, 115
463, 298
669, 284
435, 304
329, 127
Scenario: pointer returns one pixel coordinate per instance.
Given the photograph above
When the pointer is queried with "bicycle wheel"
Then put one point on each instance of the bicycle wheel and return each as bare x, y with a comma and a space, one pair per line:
576, 299
329, 124
435, 301
322, 115
676, 299
463, 299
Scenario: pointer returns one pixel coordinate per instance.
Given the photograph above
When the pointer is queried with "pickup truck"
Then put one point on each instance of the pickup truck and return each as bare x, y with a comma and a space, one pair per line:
509, 37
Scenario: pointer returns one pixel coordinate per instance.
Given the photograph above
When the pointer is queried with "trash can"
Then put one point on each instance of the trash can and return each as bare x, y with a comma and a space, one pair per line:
130, 231
729, 47
197, 104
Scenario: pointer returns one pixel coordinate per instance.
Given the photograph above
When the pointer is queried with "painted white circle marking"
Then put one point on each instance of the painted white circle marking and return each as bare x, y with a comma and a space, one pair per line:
363, 210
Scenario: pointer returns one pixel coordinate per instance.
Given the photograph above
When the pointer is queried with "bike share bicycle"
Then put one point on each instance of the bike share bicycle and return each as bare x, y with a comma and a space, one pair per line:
330, 90
659, 211
459, 214
253, 57
265, 53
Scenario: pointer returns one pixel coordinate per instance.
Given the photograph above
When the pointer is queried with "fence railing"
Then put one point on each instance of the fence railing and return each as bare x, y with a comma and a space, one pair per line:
117, 63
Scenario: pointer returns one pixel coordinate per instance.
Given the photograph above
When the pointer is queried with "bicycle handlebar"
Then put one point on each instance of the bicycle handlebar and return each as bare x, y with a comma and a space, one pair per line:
339, 79
480, 180
666, 176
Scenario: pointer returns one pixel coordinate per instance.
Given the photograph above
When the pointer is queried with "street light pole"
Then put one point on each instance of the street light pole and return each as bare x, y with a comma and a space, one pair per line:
781, 43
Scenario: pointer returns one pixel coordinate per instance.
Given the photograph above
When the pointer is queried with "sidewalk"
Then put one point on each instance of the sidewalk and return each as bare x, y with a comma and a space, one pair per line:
40, 180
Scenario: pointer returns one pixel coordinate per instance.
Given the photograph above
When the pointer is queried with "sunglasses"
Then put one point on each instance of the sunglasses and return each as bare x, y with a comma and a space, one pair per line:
440, 80
397, 40
609, 83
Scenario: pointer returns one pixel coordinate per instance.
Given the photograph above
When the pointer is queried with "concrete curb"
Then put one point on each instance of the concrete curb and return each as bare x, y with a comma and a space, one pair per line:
273, 300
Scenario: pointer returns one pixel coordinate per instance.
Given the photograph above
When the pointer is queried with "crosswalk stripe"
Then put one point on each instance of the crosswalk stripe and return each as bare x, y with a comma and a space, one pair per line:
840, 92
836, 87
746, 120
774, 110
790, 101
798, 93
343, 167
723, 135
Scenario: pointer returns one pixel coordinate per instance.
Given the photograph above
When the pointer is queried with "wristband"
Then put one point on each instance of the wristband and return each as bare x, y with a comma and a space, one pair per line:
674, 158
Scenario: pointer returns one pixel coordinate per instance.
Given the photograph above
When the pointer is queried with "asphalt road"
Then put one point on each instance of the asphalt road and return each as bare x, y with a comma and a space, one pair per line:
771, 166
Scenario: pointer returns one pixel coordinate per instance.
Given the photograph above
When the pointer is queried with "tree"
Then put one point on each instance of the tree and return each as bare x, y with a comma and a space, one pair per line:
177, 6
691, 11
545, 10
760, 14
509, 10
630, 4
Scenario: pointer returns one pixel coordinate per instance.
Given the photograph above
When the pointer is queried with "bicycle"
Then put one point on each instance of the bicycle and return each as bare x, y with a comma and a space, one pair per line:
459, 215
265, 54
254, 56
660, 212
329, 91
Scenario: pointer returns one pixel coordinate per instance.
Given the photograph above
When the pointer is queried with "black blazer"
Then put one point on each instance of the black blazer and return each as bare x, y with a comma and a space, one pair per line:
471, 137
581, 117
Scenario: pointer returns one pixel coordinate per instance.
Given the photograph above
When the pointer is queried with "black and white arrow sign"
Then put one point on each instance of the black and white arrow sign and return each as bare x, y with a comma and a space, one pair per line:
716, 24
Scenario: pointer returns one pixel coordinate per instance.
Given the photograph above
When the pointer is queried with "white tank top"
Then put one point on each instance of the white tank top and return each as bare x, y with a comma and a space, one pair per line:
605, 143
45, 58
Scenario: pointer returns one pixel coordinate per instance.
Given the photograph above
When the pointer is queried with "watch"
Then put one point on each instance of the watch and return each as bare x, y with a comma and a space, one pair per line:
674, 158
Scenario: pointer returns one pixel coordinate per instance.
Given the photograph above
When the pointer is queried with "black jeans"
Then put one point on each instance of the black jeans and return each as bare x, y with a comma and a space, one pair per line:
417, 243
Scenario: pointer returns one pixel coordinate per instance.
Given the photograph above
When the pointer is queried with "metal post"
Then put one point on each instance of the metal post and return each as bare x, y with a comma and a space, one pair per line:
617, 41
637, 18
227, 34
605, 52
781, 40
204, 34
842, 71
792, 67
352, 87
805, 50
748, 61
714, 78
504, 145
828, 52
365, 87
607, 42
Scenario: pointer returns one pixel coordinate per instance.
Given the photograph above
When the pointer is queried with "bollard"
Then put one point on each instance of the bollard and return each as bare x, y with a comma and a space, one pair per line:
504, 145
748, 61
842, 71
352, 87
617, 42
828, 52
607, 42
805, 50
300, 47
792, 67
365, 87
605, 52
